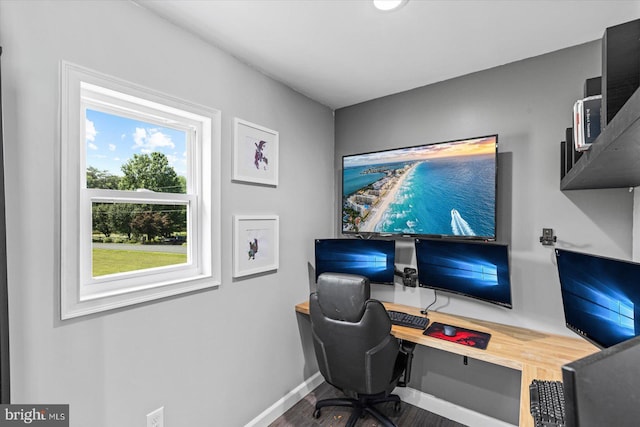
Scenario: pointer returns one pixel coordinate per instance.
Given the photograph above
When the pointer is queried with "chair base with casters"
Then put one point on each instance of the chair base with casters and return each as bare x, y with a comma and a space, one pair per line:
364, 404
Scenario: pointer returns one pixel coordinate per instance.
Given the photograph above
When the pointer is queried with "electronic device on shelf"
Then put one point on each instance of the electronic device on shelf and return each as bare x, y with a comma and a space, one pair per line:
405, 319
603, 389
600, 296
374, 259
439, 189
546, 403
474, 269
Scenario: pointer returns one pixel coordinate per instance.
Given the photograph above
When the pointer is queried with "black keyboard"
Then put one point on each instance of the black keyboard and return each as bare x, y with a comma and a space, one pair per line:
547, 403
406, 319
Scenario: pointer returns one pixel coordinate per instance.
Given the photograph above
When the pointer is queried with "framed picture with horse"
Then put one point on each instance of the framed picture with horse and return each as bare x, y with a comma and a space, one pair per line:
255, 153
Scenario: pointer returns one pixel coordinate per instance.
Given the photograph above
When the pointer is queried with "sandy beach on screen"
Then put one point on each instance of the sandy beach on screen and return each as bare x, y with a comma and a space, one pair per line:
381, 207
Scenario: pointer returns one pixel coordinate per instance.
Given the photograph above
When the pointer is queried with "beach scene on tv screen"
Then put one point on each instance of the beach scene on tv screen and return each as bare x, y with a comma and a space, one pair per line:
437, 189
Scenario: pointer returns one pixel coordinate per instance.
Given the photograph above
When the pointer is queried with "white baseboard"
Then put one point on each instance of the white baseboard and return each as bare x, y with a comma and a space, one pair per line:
447, 409
272, 413
409, 395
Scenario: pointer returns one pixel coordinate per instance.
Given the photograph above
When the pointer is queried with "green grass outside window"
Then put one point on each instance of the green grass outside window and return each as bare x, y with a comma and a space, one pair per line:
110, 261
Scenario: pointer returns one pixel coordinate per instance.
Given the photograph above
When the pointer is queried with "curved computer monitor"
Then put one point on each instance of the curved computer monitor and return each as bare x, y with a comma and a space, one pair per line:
478, 270
374, 259
600, 296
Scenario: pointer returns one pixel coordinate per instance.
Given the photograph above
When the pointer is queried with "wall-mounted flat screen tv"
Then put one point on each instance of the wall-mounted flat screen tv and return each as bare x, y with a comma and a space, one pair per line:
445, 189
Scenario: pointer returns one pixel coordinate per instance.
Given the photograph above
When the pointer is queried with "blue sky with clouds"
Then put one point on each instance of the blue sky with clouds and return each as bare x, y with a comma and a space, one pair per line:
112, 140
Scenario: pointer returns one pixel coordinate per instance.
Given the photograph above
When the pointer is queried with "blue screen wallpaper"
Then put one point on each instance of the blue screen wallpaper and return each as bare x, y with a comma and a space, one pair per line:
477, 270
374, 259
600, 296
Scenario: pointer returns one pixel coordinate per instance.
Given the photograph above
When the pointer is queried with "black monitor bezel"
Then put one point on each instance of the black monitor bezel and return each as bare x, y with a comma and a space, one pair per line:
415, 235
573, 328
508, 305
579, 409
391, 242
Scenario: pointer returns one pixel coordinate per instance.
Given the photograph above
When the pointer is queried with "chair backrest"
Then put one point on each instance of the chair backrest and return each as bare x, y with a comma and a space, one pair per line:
351, 335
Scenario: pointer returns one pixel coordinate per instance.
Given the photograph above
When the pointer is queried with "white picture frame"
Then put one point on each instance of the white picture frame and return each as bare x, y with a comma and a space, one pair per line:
255, 244
255, 153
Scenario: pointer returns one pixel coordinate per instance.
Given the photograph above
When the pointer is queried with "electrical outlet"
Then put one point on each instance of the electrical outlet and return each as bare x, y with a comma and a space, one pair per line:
156, 418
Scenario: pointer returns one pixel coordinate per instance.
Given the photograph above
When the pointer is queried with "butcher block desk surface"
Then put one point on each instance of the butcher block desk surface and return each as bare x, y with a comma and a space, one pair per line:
537, 355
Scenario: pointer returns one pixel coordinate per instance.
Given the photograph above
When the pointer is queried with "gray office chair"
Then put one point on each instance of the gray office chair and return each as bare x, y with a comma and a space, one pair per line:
355, 350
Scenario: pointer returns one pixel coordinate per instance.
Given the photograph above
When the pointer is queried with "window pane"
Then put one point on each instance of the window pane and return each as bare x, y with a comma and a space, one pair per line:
133, 236
127, 154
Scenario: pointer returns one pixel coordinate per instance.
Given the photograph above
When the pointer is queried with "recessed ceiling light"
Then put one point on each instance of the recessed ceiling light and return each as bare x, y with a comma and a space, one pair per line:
388, 5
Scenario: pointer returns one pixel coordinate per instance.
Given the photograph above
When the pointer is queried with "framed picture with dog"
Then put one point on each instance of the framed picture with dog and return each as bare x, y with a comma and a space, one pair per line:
255, 244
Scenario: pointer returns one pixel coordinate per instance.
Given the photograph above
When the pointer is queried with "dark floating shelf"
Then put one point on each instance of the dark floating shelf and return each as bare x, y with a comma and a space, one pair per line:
613, 161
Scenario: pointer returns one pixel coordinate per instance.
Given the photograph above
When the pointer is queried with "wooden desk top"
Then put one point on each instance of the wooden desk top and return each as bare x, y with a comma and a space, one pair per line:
538, 355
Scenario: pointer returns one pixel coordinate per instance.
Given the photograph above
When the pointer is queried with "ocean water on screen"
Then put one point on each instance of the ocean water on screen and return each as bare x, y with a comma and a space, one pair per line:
454, 195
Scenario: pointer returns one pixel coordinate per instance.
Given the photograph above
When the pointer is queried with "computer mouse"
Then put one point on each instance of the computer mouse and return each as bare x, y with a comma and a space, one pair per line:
449, 330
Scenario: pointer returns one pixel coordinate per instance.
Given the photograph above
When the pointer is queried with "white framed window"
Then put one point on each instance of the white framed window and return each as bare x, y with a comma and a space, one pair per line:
139, 194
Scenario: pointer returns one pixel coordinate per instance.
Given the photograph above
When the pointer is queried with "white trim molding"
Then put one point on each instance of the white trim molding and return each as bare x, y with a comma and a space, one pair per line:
80, 292
408, 395
276, 410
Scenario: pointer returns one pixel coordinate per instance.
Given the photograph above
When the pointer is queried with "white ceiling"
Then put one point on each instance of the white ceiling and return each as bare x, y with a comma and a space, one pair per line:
343, 52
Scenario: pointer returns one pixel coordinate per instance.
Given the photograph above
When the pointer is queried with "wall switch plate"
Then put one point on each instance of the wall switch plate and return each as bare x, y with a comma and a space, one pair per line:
156, 418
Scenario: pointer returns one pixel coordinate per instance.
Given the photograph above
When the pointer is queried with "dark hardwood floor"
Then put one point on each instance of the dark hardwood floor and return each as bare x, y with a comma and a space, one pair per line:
301, 414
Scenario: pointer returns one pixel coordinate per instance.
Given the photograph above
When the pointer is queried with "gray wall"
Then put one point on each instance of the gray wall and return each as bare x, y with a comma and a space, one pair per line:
528, 103
182, 352
115, 367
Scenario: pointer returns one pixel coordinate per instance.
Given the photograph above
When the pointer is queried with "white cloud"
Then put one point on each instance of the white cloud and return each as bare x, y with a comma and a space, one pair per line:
139, 136
112, 147
172, 159
92, 146
90, 131
158, 139
148, 140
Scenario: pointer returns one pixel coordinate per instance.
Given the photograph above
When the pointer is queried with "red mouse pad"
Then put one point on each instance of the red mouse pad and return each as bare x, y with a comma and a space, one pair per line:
463, 336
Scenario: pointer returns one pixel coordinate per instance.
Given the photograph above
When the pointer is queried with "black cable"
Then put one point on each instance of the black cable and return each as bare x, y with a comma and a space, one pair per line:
426, 310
